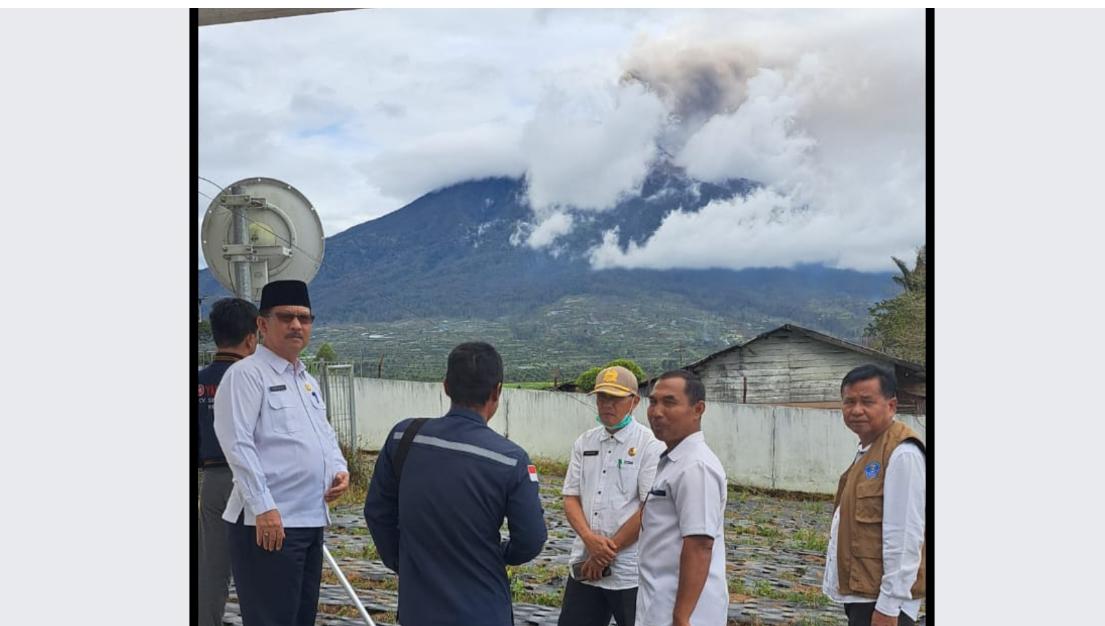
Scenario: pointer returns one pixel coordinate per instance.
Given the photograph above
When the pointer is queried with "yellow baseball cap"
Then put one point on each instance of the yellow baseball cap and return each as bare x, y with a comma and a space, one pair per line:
616, 381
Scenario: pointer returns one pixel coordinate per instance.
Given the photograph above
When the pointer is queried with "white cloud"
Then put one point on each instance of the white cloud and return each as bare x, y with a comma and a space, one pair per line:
546, 233
364, 111
587, 148
759, 141
437, 161
831, 118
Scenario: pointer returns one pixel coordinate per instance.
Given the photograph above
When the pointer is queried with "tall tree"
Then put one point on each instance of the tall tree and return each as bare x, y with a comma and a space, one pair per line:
326, 353
912, 279
899, 325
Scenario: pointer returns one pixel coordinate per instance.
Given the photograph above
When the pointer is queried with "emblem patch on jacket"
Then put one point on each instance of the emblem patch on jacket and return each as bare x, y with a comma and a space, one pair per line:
872, 470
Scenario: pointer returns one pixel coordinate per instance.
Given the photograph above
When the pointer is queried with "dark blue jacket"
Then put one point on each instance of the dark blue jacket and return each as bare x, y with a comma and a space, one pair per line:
209, 379
439, 528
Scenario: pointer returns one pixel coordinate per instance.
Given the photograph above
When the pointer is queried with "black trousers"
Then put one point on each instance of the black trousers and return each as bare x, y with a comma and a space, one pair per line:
588, 605
859, 614
278, 588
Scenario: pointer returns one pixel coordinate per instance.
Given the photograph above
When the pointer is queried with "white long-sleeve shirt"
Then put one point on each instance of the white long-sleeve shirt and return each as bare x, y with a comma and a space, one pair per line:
903, 531
271, 424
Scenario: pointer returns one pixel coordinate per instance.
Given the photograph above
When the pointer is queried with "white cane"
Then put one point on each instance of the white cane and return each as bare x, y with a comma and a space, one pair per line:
348, 587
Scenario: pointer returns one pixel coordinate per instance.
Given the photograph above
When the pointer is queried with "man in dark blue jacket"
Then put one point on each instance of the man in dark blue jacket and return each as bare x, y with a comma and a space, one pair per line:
439, 527
234, 329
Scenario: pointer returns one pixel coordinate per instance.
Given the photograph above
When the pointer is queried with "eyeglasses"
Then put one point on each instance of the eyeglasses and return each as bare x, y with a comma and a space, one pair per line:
304, 318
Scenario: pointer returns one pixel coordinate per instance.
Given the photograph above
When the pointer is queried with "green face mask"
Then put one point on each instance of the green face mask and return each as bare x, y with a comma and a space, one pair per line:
620, 425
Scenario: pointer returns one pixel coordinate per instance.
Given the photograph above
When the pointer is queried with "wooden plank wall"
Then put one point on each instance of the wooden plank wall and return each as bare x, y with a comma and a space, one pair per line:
781, 368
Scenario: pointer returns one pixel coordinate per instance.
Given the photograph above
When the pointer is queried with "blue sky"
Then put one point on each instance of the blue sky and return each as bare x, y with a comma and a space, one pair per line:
366, 110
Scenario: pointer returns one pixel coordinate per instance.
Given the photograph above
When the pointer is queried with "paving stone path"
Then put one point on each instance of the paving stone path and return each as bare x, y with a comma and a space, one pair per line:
774, 549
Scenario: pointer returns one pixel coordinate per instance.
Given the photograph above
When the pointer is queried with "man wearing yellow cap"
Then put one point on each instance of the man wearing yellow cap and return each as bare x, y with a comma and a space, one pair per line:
610, 472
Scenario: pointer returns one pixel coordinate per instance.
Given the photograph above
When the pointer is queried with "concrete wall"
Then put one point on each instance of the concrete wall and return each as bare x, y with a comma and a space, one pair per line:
760, 446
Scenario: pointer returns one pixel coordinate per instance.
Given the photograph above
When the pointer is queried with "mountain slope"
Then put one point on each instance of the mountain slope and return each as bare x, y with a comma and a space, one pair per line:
448, 255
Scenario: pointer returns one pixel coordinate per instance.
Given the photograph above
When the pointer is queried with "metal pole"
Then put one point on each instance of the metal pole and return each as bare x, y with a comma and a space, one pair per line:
239, 234
348, 587
352, 414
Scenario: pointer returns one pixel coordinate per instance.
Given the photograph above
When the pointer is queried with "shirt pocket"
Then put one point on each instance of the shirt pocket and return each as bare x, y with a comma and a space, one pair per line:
282, 409
627, 481
867, 538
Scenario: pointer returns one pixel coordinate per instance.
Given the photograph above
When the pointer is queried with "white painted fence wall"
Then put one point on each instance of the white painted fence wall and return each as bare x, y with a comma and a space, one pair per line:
760, 446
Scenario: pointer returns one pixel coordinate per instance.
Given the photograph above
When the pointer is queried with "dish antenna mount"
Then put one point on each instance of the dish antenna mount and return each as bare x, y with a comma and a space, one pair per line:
258, 230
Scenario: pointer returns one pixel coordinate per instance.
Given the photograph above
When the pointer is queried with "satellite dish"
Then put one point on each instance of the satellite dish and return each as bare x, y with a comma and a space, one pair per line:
259, 230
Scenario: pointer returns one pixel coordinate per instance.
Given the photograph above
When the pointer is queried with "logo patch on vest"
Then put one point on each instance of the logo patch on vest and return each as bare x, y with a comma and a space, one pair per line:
872, 470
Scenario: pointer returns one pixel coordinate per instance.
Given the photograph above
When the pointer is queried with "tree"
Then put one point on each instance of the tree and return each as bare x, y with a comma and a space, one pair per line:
326, 353
912, 280
899, 325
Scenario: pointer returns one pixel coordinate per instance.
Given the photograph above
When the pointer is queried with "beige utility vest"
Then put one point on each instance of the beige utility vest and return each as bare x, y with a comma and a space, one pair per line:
859, 534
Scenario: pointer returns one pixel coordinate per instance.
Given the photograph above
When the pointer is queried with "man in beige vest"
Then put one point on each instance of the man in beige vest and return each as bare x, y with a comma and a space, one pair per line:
875, 564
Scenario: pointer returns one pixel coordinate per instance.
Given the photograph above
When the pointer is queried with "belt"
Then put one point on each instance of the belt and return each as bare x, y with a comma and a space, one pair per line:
212, 463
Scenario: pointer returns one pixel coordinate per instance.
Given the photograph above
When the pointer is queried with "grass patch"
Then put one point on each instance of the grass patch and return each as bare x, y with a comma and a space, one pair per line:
763, 530
520, 591
339, 610
368, 552
348, 610
386, 583
548, 386
798, 594
755, 529
812, 540
739, 587
550, 467
806, 596
764, 589
361, 464
549, 598
813, 506
793, 496
349, 530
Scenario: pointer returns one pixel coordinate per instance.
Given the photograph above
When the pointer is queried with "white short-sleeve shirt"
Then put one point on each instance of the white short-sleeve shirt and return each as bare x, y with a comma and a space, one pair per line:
611, 474
687, 498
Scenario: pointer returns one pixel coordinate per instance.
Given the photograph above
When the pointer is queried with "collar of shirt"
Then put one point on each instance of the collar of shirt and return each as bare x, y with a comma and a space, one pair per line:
860, 451
683, 447
621, 435
278, 363
467, 414
227, 356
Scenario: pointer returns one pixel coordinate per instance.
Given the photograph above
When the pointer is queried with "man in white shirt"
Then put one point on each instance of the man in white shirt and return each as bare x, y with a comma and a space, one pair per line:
271, 424
875, 562
609, 474
682, 545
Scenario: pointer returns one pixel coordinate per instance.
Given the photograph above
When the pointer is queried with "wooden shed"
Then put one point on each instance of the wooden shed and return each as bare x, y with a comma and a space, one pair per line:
796, 366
